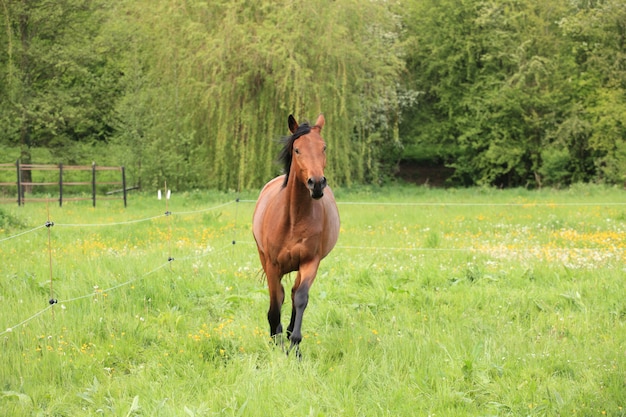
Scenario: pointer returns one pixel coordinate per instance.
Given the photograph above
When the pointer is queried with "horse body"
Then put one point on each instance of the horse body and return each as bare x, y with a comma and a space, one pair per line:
296, 224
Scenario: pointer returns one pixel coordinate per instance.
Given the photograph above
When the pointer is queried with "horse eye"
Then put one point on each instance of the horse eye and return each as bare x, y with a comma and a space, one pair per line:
324, 148
297, 151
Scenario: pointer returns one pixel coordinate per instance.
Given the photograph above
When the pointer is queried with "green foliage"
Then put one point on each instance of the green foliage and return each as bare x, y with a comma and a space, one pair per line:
197, 93
9, 221
505, 82
555, 168
56, 80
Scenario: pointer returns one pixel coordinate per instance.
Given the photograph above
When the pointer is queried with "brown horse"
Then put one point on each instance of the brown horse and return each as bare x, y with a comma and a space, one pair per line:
296, 224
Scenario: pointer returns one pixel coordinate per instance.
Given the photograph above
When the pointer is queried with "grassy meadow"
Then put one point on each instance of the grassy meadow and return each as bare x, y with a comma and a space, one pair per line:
477, 302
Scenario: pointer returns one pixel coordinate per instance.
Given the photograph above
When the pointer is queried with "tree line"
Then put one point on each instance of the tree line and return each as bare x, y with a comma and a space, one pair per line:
197, 92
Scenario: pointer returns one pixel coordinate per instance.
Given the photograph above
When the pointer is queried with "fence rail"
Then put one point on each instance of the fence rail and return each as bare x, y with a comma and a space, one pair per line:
23, 186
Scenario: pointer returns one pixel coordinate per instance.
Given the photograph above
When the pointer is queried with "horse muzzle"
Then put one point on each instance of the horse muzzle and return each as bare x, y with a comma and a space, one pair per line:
316, 186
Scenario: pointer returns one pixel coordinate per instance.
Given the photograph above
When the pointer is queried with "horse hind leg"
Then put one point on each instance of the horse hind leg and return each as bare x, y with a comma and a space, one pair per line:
277, 297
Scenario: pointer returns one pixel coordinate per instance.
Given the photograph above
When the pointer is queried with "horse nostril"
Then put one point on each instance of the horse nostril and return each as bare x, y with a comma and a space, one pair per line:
310, 183
323, 182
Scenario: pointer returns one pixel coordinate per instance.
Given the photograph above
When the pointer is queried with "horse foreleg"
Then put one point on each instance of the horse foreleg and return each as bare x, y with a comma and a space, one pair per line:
300, 300
292, 322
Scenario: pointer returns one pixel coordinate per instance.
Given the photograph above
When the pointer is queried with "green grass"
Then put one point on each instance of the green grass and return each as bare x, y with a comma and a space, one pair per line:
475, 302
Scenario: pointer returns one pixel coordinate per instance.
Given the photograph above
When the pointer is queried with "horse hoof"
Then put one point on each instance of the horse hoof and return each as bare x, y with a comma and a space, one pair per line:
297, 352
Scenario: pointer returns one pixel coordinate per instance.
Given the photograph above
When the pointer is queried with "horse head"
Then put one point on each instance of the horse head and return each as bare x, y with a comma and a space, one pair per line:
308, 155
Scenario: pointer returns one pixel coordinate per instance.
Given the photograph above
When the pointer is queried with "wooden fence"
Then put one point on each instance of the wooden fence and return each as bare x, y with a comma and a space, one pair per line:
23, 187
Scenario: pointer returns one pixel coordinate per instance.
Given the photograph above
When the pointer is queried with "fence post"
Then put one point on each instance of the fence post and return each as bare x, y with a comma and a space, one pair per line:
124, 184
60, 185
93, 182
19, 183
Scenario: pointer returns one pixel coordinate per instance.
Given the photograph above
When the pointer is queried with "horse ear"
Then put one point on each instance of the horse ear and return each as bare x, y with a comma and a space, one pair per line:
293, 125
320, 121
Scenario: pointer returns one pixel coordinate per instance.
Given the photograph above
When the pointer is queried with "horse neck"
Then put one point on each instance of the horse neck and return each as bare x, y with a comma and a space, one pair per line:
297, 198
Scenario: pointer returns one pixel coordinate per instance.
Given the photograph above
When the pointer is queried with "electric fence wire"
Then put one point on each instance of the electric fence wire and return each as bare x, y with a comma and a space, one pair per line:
347, 203
52, 302
435, 204
122, 223
456, 204
127, 222
180, 213
22, 233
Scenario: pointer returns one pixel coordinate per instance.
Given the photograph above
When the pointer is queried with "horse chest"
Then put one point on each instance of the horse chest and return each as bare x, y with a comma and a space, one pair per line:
289, 260
291, 253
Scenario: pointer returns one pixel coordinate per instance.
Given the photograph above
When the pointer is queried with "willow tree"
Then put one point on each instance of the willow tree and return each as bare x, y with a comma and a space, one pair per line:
220, 78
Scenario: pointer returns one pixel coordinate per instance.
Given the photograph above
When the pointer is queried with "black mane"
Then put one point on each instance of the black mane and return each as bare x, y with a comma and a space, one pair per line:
287, 152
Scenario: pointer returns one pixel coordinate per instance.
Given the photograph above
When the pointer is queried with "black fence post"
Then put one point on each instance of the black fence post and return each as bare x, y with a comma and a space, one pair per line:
93, 182
19, 183
60, 185
124, 184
